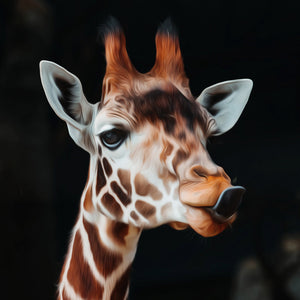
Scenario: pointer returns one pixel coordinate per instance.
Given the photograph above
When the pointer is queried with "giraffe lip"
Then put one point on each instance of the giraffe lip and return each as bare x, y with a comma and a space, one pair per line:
202, 221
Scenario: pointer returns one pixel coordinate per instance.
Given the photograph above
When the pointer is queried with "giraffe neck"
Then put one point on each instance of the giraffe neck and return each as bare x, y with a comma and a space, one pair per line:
100, 255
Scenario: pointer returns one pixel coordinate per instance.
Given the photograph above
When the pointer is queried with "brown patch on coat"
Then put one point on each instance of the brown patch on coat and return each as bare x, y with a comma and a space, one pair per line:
121, 286
134, 216
99, 151
144, 188
167, 150
80, 275
145, 209
112, 205
107, 167
179, 158
105, 259
124, 176
88, 203
101, 180
181, 136
167, 178
121, 195
117, 231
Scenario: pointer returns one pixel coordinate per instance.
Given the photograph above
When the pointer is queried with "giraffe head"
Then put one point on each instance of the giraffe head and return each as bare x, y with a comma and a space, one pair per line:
147, 138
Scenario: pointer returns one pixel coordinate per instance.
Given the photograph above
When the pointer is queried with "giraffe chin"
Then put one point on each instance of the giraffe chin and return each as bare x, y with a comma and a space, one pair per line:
203, 222
178, 225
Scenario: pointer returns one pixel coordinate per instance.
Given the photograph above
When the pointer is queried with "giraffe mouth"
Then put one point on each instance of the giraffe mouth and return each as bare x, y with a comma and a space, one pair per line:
212, 220
203, 222
227, 204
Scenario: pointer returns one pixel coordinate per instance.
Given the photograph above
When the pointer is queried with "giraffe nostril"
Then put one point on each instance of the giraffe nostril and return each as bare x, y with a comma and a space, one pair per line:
199, 172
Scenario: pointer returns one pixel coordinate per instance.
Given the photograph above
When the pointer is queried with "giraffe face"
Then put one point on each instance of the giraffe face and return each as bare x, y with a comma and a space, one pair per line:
153, 155
147, 137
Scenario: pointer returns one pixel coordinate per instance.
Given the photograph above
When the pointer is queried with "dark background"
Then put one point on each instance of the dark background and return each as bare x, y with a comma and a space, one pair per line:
42, 172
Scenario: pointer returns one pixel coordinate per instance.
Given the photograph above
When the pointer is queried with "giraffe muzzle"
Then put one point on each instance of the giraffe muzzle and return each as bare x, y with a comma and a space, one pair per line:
227, 204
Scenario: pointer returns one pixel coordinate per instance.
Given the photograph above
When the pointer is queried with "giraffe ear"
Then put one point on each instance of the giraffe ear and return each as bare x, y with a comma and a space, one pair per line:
225, 102
64, 93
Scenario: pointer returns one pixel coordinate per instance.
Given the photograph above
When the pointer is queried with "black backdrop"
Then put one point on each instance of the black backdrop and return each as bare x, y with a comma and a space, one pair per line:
43, 172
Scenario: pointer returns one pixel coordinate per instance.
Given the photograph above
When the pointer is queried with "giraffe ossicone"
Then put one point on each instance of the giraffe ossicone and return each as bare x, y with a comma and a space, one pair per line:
148, 159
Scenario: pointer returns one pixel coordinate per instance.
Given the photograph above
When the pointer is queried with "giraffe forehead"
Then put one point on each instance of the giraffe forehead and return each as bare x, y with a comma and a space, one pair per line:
156, 106
169, 108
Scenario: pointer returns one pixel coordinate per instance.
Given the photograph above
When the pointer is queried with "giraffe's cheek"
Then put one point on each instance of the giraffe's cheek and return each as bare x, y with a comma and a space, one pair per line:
202, 222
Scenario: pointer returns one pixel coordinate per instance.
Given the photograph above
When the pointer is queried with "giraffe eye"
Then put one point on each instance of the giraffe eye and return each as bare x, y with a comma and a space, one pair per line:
113, 138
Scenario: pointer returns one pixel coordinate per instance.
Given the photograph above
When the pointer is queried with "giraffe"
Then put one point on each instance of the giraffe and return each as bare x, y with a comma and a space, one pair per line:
148, 159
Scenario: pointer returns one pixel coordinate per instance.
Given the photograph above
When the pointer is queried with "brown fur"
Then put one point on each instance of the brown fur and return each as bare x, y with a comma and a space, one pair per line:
121, 195
167, 178
170, 108
80, 275
119, 70
169, 63
112, 205
161, 96
121, 286
101, 180
121, 75
167, 150
145, 209
99, 151
134, 216
124, 176
143, 187
107, 167
88, 203
179, 158
106, 260
117, 231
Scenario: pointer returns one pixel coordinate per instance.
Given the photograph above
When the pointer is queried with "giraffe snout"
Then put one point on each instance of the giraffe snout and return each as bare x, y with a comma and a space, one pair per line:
211, 200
